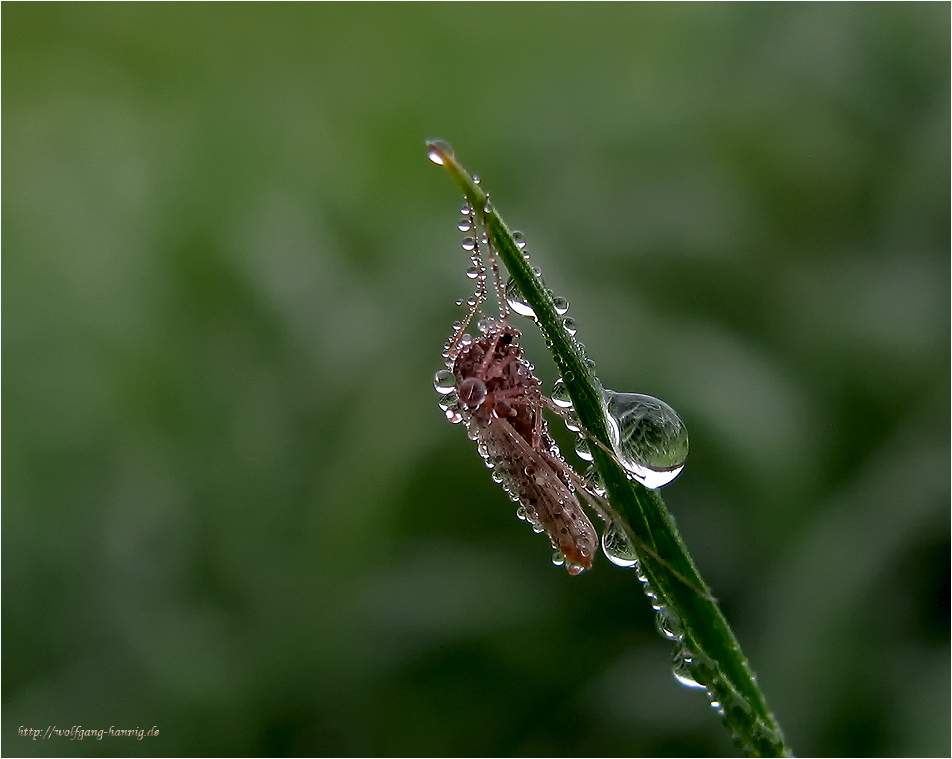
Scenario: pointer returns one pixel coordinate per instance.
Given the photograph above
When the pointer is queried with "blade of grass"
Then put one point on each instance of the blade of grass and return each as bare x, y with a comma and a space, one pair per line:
707, 654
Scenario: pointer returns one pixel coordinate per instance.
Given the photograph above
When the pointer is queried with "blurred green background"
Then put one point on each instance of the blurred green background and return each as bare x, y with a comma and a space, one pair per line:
231, 505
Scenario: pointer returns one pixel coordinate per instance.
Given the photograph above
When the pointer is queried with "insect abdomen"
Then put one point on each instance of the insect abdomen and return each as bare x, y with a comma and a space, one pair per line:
532, 480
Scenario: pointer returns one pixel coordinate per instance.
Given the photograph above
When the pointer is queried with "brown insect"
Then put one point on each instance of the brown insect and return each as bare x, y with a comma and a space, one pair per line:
491, 388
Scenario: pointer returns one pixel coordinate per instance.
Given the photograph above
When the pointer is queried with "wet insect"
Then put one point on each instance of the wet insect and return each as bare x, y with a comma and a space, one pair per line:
490, 387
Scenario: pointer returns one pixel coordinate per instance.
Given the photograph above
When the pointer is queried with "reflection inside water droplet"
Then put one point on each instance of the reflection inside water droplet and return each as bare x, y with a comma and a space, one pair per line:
617, 546
683, 661
516, 300
648, 436
560, 394
444, 381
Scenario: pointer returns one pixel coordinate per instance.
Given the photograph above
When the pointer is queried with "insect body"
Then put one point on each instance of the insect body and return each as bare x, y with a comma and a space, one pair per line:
490, 387
501, 403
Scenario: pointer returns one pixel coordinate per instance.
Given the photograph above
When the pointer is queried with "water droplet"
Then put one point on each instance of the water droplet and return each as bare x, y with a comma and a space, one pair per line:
519, 238
703, 670
475, 179
582, 450
472, 392
643, 578
465, 210
569, 323
464, 225
436, 149
574, 569
472, 272
487, 206
594, 479
516, 300
683, 660
561, 305
558, 559
648, 436
617, 546
454, 416
560, 394
468, 244
669, 624
571, 422
521, 513
444, 381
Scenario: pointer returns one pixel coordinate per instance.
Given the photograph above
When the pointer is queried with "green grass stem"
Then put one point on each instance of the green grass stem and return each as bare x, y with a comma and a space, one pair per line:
708, 656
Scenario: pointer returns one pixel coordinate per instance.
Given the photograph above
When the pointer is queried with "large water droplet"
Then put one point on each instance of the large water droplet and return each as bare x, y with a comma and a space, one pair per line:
561, 305
468, 244
444, 381
436, 149
519, 238
516, 300
648, 436
617, 545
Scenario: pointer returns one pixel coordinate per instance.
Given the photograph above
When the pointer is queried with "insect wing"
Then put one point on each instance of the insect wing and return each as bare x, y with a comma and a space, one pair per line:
531, 477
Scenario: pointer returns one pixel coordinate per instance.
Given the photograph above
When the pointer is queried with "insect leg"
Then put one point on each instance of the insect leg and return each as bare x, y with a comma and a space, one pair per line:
604, 509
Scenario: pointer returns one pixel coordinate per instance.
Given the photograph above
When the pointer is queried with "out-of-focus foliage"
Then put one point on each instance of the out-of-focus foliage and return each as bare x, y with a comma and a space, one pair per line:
231, 506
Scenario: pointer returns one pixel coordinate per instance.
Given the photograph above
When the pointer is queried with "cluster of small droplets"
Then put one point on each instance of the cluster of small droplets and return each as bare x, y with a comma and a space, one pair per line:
475, 270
